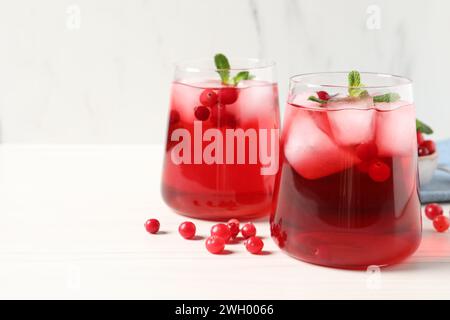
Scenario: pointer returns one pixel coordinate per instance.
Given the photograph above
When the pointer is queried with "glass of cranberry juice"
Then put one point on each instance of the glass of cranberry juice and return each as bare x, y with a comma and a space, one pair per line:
221, 156
347, 194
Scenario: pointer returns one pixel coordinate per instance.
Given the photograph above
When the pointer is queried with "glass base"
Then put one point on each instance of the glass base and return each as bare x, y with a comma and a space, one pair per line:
220, 207
350, 251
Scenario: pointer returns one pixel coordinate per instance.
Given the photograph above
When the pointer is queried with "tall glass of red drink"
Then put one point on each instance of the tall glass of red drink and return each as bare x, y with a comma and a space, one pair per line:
222, 156
347, 194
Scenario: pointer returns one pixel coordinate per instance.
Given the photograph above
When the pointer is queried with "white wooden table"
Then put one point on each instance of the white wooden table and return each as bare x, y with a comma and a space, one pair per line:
72, 227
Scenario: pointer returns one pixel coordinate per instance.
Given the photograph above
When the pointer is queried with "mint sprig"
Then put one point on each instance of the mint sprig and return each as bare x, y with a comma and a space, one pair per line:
422, 127
315, 99
354, 85
355, 90
243, 75
223, 69
388, 97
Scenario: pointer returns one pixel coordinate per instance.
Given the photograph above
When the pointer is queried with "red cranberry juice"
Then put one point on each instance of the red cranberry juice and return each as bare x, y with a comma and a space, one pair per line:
220, 191
347, 194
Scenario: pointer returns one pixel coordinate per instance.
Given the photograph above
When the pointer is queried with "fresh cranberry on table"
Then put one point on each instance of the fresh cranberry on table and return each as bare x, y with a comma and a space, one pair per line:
152, 226
441, 223
233, 225
215, 244
248, 230
254, 245
187, 230
221, 230
433, 210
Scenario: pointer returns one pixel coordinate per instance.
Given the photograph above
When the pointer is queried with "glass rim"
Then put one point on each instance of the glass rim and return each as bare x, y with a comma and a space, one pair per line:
193, 65
300, 78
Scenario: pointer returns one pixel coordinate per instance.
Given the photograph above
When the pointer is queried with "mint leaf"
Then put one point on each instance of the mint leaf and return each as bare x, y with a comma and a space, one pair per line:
388, 97
354, 84
243, 75
223, 67
354, 79
422, 127
312, 98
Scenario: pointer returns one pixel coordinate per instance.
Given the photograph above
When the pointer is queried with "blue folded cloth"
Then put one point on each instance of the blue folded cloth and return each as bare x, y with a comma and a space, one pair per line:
438, 190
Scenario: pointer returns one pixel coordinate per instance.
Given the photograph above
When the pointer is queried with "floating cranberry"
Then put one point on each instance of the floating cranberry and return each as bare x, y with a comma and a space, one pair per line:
254, 245
221, 230
379, 171
423, 151
323, 95
366, 151
233, 225
187, 230
441, 223
433, 210
202, 113
248, 230
208, 98
215, 244
228, 95
174, 117
420, 138
430, 145
152, 225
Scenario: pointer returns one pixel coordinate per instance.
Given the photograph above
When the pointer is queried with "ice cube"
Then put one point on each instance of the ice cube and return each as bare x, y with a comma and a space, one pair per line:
396, 129
311, 152
319, 114
258, 99
353, 121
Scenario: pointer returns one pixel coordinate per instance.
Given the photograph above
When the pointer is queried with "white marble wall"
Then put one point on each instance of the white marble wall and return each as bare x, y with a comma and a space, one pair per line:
98, 71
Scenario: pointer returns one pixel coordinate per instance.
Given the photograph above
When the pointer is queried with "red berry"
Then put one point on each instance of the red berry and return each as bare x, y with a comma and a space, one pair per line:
202, 113
187, 230
433, 210
174, 117
366, 151
248, 230
430, 145
441, 223
215, 244
323, 95
152, 225
233, 225
379, 171
228, 95
423, 151
208, 98
254, 245
221, 230
420, 138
